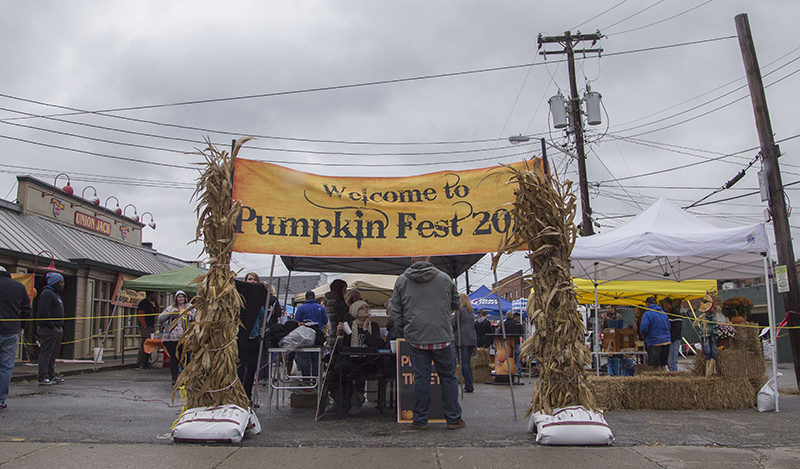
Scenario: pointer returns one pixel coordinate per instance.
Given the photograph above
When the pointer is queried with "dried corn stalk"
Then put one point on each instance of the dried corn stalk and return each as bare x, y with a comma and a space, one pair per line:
211, 377
544, 211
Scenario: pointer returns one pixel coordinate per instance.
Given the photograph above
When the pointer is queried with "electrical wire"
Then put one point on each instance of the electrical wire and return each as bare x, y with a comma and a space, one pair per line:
661, 21
598, 15
633, 15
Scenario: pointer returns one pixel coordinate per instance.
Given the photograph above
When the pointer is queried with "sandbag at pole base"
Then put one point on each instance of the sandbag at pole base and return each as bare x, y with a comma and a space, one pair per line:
571, 426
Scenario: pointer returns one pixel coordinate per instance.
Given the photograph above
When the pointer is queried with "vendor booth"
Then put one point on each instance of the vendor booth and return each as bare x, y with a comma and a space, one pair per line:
665, 242
483, 299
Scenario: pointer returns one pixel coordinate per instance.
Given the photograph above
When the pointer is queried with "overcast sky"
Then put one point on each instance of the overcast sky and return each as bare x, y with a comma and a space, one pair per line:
671, 79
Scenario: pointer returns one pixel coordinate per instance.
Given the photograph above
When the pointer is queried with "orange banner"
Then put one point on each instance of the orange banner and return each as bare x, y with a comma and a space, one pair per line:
27, 280
289, 212
127, 297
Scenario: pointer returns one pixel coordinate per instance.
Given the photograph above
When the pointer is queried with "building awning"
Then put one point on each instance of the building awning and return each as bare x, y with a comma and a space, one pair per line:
29, 235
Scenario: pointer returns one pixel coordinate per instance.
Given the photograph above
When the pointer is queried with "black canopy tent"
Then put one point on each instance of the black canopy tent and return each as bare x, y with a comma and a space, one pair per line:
451, 265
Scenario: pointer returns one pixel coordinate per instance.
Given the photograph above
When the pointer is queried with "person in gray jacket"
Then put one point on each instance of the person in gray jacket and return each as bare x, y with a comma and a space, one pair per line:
423, 302
466, 339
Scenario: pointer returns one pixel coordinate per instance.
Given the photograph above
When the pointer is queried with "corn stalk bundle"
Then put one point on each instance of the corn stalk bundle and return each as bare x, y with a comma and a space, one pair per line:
210, 378
544, 211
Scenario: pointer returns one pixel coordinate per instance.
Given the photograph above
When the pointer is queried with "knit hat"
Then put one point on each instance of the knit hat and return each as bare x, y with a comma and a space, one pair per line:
310, 295
354, 307
53, 278
180, 292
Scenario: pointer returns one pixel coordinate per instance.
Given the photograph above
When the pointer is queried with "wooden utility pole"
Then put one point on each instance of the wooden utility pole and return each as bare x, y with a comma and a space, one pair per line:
777, 201
569, 41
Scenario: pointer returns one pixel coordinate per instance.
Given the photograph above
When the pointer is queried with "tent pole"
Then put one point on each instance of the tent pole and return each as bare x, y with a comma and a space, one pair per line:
288, 282
505, 345
773, 339
596, 341
108, 326
264, 320
458, 343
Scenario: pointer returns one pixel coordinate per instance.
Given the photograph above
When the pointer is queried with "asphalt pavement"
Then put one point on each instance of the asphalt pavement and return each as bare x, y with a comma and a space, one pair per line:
122, 418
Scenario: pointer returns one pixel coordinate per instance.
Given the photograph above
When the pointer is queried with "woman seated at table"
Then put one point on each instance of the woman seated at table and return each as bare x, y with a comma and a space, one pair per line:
354, 369
176, 318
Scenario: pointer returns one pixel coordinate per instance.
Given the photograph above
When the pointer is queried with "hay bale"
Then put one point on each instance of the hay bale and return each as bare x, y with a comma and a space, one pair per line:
481, 357
740, 363
481, 374
747, 339
672, 391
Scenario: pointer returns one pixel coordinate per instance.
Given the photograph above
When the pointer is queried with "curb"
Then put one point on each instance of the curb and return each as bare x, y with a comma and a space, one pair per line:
34, 375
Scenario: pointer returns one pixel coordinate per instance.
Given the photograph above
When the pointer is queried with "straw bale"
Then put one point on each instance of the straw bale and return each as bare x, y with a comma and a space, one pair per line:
477, 369
481, 357
672, 391
747, 339
481, 374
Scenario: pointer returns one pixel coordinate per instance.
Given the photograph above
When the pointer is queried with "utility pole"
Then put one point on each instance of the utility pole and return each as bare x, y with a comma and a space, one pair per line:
777, 201
568, 41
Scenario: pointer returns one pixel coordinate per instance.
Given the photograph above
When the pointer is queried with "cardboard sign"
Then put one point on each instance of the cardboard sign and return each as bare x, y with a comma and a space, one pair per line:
405, 388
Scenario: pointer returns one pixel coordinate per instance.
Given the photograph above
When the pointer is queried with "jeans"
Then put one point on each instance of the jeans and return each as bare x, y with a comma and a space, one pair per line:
49, 345
709, 346
619, 365
467, 351
445, 361
307, 362
174, 357
142, 358
674, 352
8, 349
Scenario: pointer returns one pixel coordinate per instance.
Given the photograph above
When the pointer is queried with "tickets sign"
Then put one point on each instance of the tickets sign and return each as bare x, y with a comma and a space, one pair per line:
289, 212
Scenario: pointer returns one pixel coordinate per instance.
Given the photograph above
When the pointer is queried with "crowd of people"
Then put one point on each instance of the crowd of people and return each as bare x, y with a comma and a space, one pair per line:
426, 310
659, 325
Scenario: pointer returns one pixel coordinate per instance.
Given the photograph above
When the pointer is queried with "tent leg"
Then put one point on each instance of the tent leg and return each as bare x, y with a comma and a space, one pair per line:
773, 338
505, 344
105, 334
264, 321
596, 327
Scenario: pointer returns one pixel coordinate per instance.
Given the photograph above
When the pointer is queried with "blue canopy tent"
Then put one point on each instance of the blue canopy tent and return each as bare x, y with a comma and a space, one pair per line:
481, 299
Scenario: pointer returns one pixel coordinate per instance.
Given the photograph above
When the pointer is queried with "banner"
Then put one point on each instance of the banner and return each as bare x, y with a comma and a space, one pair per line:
125, 297
27, 280
289, 212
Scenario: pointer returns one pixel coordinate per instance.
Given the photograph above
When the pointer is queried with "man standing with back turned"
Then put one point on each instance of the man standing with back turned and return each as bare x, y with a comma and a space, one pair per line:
15, 305
423, 301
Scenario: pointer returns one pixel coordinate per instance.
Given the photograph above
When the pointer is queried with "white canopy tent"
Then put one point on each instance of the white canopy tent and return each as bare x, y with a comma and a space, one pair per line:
665, 242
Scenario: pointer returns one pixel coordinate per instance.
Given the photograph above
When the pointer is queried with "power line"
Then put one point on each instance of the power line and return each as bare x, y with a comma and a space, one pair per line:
661, 21
633, 15
598, 15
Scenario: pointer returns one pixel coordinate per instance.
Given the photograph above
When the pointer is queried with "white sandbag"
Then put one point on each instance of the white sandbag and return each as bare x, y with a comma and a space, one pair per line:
766, 397
254, 427
221, 424
299, 338
575, 425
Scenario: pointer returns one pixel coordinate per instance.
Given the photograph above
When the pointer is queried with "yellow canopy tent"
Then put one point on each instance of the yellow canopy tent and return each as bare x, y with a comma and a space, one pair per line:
634, 292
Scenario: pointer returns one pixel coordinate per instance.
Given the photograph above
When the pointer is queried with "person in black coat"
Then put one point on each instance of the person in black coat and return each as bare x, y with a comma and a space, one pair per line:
50, 313
15, 307
353, 369
483, 327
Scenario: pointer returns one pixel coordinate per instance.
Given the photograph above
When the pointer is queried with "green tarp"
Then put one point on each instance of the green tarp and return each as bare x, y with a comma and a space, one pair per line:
168, 281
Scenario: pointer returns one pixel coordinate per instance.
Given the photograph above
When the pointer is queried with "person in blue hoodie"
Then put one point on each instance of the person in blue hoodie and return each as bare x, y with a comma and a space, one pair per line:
50, 313
655, 331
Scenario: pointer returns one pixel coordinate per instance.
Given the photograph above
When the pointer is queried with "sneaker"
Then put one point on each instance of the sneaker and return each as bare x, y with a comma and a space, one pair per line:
57, 380
419, 426
3, 405
457, 425
46, 382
